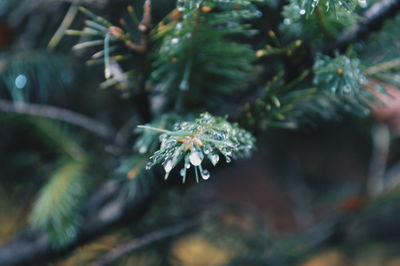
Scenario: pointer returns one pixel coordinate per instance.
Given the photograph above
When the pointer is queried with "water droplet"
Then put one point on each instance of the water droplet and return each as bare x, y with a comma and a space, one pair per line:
205, 174
228, 159
166, 175
196, 157
347, 89
168, 166
163, 137
20, 81
182, 172
148, 165
143, 149
214, 158
175, 40
302, 11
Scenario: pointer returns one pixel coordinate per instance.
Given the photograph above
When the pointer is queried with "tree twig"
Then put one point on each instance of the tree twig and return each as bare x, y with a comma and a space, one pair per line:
60, 114
147, 240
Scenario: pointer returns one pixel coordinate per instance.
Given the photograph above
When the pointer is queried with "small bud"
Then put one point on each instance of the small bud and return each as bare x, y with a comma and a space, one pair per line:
340, 71
115, 31
205, 9
271, 34
176, 15
260, 53
143, 27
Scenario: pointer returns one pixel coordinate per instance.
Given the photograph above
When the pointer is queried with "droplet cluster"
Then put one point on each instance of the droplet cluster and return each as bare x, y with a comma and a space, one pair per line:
207, 137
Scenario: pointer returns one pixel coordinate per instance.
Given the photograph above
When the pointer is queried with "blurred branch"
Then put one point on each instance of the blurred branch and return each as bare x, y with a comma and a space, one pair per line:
60, 114
107, 207
380, 152
147, 240
372, 20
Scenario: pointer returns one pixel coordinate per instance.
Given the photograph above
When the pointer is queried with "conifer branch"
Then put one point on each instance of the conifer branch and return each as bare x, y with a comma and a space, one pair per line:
107, 207
372, 20
58, 113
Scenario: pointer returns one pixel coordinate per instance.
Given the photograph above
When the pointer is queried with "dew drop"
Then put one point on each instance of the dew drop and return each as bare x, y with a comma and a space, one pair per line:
302, 12
205, 174
182, 172
143, 149
347, 89
196, 157
214, 158
228, 159
20, 81
163, 137
168, 166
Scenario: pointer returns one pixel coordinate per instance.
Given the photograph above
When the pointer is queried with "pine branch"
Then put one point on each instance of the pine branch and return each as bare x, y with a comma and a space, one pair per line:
60, 114
106, 208
373, 20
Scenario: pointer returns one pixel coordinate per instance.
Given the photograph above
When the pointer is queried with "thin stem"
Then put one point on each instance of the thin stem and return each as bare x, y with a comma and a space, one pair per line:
57, 113
160, 130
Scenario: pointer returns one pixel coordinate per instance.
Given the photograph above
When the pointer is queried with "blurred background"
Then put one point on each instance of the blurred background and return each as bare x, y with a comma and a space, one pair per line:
302, 199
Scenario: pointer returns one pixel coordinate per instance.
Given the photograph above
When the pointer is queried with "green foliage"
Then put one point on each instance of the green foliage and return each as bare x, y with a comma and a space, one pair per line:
193, 141
104, 35
382, 60
290, 105
57, 207
195, 52
308, 22
201, 56
344, 78
307, 7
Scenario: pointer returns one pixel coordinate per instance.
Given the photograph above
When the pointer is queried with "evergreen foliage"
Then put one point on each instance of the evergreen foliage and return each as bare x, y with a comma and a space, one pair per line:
203, 79
192, 141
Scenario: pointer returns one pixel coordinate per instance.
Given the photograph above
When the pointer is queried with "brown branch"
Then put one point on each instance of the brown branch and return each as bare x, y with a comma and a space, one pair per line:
147, 240
372, 20
60, 114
